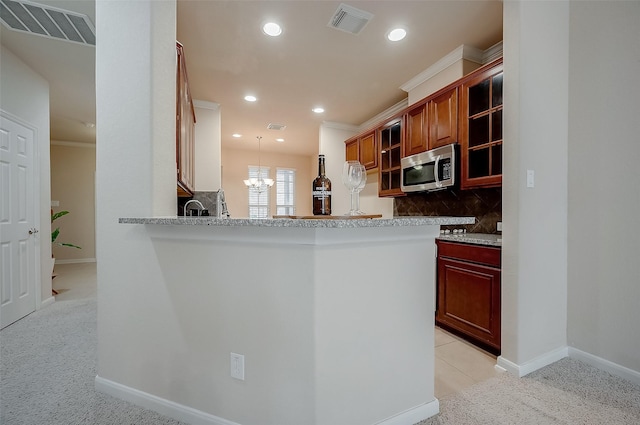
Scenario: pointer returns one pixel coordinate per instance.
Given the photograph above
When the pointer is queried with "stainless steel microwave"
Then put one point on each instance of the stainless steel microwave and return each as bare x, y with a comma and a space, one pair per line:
430, 170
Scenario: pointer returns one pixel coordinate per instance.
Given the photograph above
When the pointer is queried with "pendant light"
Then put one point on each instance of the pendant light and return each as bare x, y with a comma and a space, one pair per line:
258, 184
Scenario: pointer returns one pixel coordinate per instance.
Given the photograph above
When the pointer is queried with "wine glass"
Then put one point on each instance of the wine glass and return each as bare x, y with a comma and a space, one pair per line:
358, 189
352, 175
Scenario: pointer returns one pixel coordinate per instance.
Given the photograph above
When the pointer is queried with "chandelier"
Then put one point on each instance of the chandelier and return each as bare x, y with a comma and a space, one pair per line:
259, 184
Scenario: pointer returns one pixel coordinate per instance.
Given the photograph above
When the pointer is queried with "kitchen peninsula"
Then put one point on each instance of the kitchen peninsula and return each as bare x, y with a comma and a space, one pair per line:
334, 317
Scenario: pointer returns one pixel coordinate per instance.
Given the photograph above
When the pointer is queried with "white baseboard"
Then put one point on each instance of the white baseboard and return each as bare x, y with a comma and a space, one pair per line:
164, 407
76, 261
47, 302
414, 415
606, 365
533, 365
196, 417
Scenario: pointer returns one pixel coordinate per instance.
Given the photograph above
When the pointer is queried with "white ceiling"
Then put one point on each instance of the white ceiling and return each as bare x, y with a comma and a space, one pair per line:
354, 77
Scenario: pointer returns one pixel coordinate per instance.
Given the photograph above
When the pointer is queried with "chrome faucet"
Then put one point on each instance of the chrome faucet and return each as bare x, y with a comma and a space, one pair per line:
198, 203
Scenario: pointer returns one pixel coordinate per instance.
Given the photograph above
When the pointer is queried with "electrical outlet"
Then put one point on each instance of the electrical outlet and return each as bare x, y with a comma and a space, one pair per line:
55, 203
499, 226
237, 366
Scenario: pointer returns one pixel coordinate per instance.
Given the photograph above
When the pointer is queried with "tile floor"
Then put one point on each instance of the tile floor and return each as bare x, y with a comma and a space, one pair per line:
458, 364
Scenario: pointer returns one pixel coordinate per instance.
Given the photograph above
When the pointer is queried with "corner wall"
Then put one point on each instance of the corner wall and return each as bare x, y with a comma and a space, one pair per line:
604, 182
534, 239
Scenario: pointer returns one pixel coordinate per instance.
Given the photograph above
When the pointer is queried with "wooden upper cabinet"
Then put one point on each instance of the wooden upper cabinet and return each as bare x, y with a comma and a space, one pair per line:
364, 149
416, 139
481, 127
369, 151
185, 129
432, 123
352, 150
443, 119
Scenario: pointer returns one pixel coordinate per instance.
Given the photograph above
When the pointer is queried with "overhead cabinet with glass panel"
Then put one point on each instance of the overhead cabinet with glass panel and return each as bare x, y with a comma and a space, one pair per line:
467, 112
391, 138
481, 127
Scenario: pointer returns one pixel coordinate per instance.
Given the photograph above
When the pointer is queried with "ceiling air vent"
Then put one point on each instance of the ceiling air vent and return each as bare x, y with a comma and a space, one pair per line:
272, 126
47, 21
349, 19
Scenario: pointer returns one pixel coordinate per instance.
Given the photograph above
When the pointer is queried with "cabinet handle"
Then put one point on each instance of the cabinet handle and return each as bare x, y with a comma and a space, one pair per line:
436, 171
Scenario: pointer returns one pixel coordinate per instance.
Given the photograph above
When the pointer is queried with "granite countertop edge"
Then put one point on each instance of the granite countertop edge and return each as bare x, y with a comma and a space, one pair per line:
484, 239
300, 223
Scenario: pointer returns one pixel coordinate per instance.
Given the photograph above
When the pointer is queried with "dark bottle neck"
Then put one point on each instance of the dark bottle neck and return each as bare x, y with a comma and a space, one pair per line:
321, 170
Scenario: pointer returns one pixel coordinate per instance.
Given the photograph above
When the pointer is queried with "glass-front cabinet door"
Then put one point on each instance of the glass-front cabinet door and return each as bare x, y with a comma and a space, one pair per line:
481, 128
390, 136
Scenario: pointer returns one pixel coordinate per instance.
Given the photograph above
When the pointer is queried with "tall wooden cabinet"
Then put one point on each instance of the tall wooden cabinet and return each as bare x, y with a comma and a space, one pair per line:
185, 129
481, 128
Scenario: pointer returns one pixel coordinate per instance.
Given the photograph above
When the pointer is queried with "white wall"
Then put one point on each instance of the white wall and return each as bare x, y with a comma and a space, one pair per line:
332, 137
604, 182
139, 332
73, 168
534, 242
442, 79
25, 94
208, 168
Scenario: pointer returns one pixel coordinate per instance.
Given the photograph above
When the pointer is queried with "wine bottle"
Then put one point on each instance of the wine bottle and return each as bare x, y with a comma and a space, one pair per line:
321, 191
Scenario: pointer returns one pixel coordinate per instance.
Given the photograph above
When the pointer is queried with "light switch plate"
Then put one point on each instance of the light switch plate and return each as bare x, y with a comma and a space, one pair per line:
530, 178
237, 366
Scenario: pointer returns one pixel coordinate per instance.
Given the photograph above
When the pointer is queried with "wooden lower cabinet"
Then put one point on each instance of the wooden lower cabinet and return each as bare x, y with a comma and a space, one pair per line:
469, 293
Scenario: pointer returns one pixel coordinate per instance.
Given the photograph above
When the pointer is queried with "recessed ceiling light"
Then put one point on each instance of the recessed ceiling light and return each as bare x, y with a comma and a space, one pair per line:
272, 29
396, 34
236, 135
250, 98
318, 110
280, 140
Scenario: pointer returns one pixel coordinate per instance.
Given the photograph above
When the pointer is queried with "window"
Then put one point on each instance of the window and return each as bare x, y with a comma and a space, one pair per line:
285, 191
258, 201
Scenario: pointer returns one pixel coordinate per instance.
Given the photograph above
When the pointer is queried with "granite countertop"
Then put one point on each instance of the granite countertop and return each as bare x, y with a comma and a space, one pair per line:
301, 223
473, 238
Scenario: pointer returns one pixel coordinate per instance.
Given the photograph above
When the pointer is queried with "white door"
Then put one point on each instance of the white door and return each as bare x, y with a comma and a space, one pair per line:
18, 233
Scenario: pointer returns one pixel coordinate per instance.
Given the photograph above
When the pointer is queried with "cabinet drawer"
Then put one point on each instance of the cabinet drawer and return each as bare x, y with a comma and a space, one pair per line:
473, 253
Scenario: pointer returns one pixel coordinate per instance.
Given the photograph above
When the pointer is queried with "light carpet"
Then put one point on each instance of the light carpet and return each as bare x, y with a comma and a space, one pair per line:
48, 365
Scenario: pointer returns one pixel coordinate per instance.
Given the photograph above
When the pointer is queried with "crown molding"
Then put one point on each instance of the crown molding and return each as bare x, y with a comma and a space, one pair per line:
386, 114
492, 53
461, 52
340, 126
203, 104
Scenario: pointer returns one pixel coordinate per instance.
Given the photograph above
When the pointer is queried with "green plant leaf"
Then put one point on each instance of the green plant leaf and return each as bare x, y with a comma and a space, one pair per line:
54, 234
69, 245
58, 215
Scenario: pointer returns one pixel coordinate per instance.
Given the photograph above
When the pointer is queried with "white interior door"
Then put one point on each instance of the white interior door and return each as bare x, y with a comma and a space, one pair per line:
18, 233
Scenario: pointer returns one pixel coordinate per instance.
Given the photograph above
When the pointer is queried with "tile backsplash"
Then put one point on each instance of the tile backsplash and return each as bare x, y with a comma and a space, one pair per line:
483, 204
